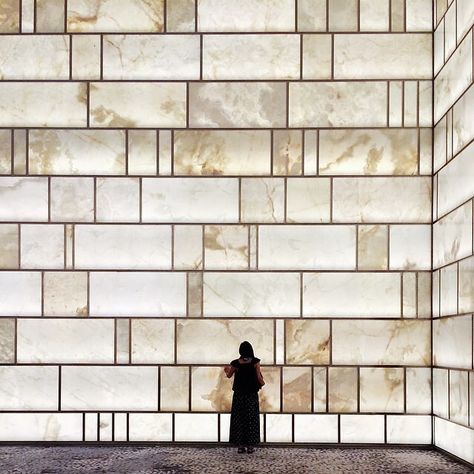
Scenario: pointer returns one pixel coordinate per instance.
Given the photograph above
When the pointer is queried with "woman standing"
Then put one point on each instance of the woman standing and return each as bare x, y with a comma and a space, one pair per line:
245, 412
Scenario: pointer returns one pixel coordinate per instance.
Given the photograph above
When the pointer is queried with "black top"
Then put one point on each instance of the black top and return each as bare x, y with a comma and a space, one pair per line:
245, 377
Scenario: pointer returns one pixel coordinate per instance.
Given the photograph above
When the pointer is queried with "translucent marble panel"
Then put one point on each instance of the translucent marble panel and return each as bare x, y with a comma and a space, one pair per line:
308, 200
24, 199
343, 15
65, 293
405, 429
317, 56
371, 199
152, 341
139, 293
195, 427
246, 15
278, 428
151, 57
381, 389
251, 294
224, 421
312, 15
34, 57
452, 236
454, 78
368, 152
338, 104
49, 16
180, 16
452, 342
307, 247
449, 290
466, 285
374, 15
41, 427
65, 341
216, 152
123, 246
319, 389
117, 199
440, 144
419, 15
211, 389
139, 104
110, 15
150, 427
142, 152
7, 340
381, 342
9, 256
454, 438
316, 429
43, 104
307, 342
10, 16
464, 16
109, 388
297, 389
174, 388
76, 152
351, 294
456, 181
187, 247
382, 56
72, 199
85, 60
190, 199
343, 387
439, 47
463, 126
226, 247
237, 104
42, 246
6, 147
287, 152
251, 57
372, 247
28, 388
418, 389
227, 335
270, 394
262, 200
410, 247
459, 396
20, 293
440, 392
362, 429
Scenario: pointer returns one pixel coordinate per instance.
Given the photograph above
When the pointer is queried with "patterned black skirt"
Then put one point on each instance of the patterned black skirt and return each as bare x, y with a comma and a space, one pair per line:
245, 419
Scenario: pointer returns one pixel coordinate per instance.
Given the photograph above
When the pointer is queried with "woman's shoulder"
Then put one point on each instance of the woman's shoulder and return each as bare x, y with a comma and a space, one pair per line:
256, 360
235, 363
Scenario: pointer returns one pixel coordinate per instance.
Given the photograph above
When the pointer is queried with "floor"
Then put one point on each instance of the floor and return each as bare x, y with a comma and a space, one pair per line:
177, 459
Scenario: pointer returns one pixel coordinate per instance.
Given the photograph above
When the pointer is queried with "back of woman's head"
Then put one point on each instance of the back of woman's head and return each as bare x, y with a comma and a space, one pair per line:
246, 349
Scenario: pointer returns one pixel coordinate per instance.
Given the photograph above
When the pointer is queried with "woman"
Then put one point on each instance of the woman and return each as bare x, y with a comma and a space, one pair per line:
245, 413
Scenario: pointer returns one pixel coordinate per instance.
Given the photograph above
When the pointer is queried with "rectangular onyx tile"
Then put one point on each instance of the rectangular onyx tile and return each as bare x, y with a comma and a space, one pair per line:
20, 293
370, 199
251, 294
85, 56
190, 200
9, 246
7, 340
368, 152
237, 104
65, 294
362, 429
307, 341
117, 199
76, 152
10, 16
34, 57
47, 237
152, 341
463, 126
174, 388
43, 104
137, 294
226, 247
338, 104
381, 389
50, 16
219, 152
381, 342
406, 429
352, 294
137, 104
111, 16
446, 432
307, 247
211, 389
466, 285
109, 388
122, 246
270, 56
342, 389
297, 389
246, 15
151, 57
65, 341
382, 56
180, 16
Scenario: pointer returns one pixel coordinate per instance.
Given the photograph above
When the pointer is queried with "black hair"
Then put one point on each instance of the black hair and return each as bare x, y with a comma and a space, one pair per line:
246, 349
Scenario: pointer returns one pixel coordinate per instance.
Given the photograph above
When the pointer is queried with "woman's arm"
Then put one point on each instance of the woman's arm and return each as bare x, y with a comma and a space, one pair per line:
229, 371
259, 374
